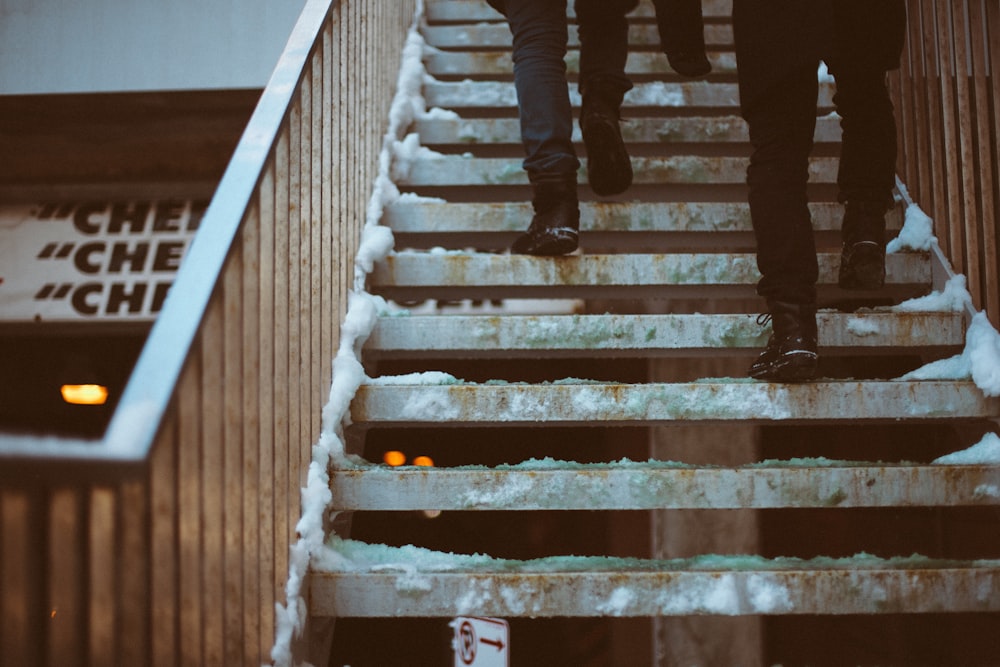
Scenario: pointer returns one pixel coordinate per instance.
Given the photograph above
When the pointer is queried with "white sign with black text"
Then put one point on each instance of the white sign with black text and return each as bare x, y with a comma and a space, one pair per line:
92, 260
481, 642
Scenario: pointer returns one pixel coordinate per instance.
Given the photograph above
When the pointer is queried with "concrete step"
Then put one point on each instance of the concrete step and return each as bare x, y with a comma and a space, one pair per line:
496, 36
460, 95
639, 226
499, 64
404, 401
409, 275
722, 130
655, 485
457, 170
407, 582
548, 336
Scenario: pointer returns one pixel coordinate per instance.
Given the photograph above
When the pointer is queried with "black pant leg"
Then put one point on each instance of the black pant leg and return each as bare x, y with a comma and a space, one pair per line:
782, 123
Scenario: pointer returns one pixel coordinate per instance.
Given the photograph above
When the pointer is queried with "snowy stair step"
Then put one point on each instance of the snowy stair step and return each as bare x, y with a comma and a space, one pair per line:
406, 401
652, 485
547, 336
410, 220
457, 95
499, 64
452, 11
438, 169
416, 275
437, 129
358, 580
496, 36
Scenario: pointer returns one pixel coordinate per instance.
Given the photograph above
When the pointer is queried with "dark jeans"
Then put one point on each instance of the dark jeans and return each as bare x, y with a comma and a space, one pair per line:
782, 122
539, 29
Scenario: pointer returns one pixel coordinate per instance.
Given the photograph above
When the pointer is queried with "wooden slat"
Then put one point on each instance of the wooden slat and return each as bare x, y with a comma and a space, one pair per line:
582, 403
660, 486
281, 384
164, 536
21, 576
984, 144
446, 170
231, 473
190, 511
213, 567
132, 563
647, 335
103, 638
66, 604
718, 586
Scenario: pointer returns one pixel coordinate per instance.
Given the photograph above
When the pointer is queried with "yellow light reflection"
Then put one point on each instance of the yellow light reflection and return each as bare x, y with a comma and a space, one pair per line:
84, 394
425, 461
394, 458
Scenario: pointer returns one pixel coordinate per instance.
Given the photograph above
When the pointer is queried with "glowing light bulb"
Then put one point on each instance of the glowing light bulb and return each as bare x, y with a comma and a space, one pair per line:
84, 394
394, 458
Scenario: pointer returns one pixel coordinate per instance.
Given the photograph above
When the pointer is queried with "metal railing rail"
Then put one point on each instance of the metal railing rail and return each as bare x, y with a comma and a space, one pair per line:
948, 99
167, 541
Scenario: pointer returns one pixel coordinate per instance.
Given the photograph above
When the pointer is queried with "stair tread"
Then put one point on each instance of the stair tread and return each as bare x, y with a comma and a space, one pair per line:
423, 216
499, 63
457, 268
403, 400
657, 95
651, 485
714, 129
650, 334
355, 580
483, 35
477, 10
455, 170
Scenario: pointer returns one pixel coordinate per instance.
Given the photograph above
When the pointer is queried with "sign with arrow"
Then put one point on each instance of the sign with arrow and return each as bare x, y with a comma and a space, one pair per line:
481, 642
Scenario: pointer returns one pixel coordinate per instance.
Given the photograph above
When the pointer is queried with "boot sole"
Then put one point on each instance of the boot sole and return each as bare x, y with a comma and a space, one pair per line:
551, 242
864, 270
609, 169
793, 367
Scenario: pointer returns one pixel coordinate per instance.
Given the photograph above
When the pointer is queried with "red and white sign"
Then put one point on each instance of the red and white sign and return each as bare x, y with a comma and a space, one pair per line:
481, 642
92, 260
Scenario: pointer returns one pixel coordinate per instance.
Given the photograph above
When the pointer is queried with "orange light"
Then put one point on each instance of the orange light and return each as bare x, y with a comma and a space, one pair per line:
425, 461
84, 394
394, 458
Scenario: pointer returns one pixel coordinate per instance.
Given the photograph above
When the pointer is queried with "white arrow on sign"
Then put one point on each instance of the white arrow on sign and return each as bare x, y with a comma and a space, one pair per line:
480, 642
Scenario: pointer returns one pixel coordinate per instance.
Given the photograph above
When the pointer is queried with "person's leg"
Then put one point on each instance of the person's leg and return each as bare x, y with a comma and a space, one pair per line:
682, 36
867, 172
539, 30
782, 123
603, 30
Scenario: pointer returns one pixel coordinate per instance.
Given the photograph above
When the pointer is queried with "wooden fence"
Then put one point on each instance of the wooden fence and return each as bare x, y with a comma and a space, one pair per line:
167, 542
948, 97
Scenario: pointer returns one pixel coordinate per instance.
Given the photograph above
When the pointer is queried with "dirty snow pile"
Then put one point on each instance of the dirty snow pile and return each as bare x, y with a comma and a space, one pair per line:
362, 313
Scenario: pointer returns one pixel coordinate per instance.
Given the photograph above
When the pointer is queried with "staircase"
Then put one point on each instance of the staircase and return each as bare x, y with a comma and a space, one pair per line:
500, 355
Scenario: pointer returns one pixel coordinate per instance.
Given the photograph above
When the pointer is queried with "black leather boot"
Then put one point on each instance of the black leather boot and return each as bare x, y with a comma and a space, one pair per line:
555, 227
862, 261
609, 169
791, 354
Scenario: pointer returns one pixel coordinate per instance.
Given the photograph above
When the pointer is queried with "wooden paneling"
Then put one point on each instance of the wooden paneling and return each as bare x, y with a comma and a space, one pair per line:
949, 109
